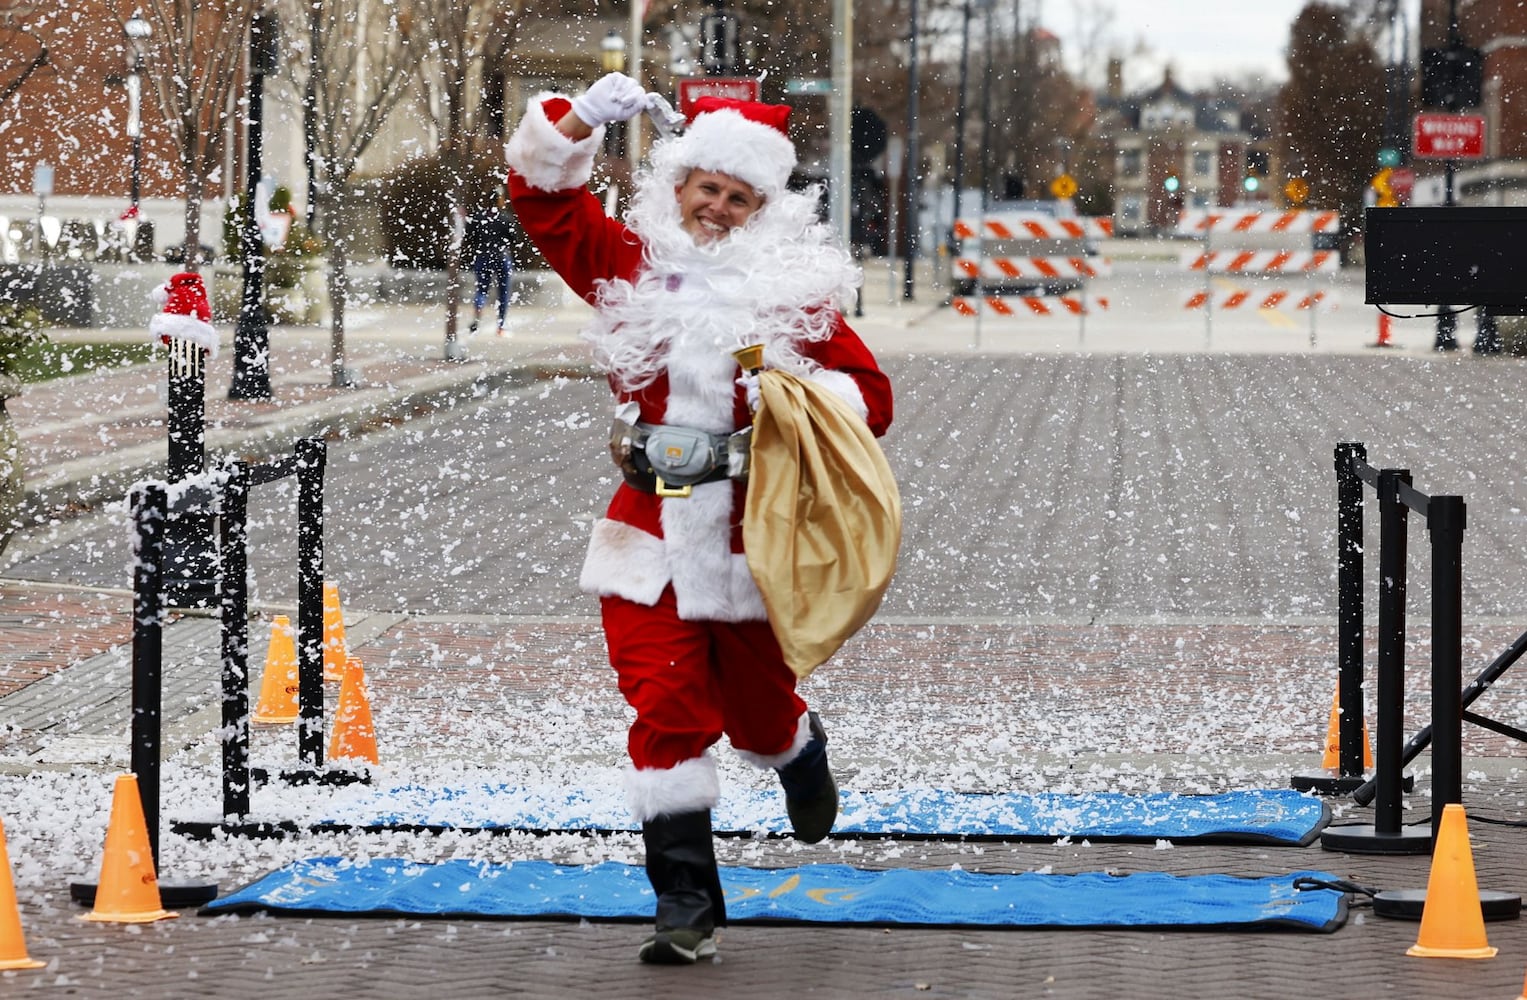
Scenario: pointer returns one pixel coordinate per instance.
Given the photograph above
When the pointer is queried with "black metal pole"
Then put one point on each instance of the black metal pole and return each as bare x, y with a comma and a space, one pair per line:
191, 559
959, 115
310, 107
1388, 814
1349, 600
1445, 520
312, 454
909, 190
251, 336
234, 579
1447, 319
150, 509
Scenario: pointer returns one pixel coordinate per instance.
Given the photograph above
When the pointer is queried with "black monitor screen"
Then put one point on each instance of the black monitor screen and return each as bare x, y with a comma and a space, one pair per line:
1453, 256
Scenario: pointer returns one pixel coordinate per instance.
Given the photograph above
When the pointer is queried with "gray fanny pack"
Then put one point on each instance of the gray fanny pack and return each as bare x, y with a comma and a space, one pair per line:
679, 458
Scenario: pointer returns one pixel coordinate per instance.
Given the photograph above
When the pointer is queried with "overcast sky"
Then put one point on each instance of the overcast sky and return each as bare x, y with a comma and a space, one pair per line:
1201, 39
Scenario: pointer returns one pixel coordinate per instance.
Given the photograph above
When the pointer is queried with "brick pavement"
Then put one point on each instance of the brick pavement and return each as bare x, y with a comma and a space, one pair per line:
1185, 705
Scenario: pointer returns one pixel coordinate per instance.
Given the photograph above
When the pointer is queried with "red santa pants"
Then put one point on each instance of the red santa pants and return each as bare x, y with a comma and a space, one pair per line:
692, 681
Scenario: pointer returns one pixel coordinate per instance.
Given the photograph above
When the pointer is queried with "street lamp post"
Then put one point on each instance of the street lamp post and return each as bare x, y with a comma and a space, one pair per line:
612, 59
251, 335
138, 32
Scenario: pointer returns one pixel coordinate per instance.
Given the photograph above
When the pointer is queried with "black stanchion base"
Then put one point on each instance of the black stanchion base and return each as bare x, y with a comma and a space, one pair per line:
1364, 838
172, 895
196, 830
1407, 904
1330, 781
313, 776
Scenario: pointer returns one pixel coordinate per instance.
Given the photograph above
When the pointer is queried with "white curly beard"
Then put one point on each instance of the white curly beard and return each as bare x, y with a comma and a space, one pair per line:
778, 280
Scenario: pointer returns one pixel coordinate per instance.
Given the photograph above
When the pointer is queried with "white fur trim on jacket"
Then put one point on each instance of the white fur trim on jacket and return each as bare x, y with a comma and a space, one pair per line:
179, 327
688, 785
766, 761
842, 384
544, 157
624, 561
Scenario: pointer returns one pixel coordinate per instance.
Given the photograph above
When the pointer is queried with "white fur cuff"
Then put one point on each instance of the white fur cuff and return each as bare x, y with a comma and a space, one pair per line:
544, 157
178, 327
688, 785
766, 761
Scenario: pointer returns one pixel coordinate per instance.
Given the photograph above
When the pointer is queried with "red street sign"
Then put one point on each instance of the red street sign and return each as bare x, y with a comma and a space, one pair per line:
1402, 181
694, 87
1449, 137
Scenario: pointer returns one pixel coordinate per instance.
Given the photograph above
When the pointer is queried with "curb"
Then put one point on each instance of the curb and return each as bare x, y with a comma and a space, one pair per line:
89, 482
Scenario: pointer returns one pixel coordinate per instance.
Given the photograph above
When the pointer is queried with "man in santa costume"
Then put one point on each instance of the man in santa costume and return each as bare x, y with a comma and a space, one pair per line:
715, 254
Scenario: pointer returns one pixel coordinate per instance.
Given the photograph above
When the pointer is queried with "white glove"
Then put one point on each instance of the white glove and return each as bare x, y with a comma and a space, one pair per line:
614, 97
749, 383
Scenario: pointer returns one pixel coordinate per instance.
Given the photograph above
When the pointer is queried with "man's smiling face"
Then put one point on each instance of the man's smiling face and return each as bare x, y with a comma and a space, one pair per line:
711, 205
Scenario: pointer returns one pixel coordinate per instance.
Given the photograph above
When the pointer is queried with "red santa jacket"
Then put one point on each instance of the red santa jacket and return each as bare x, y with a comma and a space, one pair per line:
645, 542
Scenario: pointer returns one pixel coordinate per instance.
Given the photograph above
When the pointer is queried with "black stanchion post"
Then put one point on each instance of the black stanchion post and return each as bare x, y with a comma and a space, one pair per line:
1487, 333
191, 561
1349, 625
1390, 712
311, 456
149, 514
235, 613
1387, 834
1445, 520
1349, 629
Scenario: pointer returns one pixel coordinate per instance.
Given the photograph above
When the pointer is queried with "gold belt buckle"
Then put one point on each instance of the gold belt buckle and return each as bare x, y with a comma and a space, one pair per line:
664, 490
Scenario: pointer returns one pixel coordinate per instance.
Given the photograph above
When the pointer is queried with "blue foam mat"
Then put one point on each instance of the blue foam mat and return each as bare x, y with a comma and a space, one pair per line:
1262, 816
815, 894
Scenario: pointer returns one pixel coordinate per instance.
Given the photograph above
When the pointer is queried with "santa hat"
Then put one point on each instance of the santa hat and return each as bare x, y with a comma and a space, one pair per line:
186, 314
747, 140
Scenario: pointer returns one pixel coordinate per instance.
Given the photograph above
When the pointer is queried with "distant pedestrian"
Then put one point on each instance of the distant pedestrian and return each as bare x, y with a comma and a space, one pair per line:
489, 243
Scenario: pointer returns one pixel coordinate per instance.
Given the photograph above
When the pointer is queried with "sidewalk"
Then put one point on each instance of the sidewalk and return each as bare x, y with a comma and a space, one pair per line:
1028, 706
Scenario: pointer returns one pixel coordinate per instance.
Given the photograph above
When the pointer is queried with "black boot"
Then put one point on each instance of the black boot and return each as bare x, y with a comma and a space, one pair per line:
811, 794
681, 865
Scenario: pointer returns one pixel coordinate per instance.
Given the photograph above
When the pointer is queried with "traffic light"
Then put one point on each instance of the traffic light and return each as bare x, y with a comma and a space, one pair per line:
1251, 183
1171, 184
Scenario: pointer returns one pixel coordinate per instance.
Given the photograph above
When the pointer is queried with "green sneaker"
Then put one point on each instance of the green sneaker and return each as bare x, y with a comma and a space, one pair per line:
678, 946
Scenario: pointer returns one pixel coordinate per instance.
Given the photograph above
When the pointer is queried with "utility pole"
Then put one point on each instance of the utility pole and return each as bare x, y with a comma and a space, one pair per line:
1447, 319
909, 191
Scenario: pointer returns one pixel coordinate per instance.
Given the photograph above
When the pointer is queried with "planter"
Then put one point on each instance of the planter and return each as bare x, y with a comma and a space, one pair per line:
302, 297
12, 475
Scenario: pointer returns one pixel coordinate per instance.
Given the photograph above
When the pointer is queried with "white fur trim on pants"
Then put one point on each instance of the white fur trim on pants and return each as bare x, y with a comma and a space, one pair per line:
687, 786
544, 157
766, 761
714, 583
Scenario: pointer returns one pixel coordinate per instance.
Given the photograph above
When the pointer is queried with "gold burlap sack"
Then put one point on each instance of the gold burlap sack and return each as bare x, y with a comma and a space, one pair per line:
823, 518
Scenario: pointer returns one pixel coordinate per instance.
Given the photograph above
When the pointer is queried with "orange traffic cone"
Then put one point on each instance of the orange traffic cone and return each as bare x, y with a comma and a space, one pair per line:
278, 687
1524, 991
1332, 756
1453, 920
128, 892
354, 734
13, 948
1385, 328
334, 649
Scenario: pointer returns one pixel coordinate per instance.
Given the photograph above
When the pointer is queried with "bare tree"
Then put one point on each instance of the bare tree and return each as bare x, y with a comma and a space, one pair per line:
1331, 108
363, 57
193, 69
468, 40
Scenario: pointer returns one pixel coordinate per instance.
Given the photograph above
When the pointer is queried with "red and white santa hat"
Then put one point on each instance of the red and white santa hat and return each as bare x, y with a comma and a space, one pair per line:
186, 313
747, 140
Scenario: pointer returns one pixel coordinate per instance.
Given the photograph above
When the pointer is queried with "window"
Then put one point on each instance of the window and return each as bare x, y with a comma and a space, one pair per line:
1203, 163
1129, 163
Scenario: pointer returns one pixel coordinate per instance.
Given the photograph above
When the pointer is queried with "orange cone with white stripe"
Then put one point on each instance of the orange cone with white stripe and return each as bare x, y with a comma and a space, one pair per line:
13, 948
128, 892
334, 649
354, 733
278, 686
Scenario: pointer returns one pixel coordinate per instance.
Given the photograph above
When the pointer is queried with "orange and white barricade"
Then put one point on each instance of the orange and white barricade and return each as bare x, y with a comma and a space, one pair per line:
1261, 263
1027, 306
